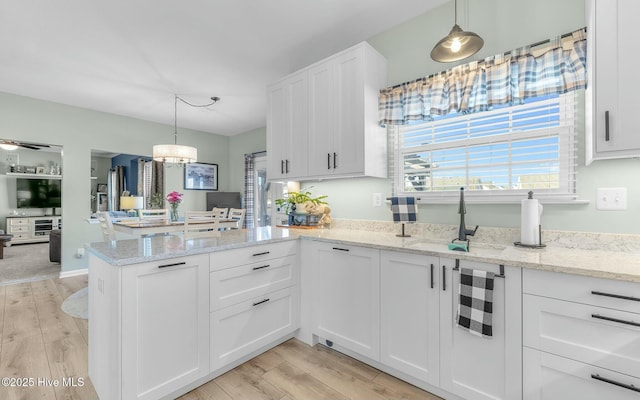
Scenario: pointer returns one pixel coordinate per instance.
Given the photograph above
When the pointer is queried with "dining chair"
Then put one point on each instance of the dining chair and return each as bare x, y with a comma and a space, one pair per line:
108, 233
222, 212
154, 214
201, 224
237, 214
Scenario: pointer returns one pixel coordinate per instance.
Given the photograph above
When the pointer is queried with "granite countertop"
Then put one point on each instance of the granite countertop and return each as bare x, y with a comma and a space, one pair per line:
162, 247
596, 263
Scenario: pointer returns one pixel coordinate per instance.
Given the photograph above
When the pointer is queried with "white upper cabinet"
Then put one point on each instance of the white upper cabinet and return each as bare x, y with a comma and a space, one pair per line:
287, 128
612, 129
343, 138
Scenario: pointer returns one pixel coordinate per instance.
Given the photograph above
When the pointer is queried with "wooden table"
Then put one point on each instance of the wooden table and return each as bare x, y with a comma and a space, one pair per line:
152, 227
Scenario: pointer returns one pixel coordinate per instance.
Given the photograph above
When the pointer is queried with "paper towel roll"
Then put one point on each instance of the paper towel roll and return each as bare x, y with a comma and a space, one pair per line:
530, 213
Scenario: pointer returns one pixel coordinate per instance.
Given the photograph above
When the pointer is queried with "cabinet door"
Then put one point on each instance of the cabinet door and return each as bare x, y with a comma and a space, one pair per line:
346, 296
245, 327
165, 326
551, 377
322, 109
409, 312
287, 128
348, 135
473, 367
616, 85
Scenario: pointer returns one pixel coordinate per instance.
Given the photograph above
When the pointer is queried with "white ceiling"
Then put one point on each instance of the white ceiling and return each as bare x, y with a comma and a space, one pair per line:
129, 57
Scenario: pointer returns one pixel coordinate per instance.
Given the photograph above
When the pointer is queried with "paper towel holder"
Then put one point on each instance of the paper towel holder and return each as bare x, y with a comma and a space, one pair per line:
533, 246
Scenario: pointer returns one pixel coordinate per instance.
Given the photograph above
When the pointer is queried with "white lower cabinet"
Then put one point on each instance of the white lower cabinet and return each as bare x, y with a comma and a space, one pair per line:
474, 367
551, 377
247, 326
408, 302
409, 306
255, 299
162, 311
581, 337
346, 296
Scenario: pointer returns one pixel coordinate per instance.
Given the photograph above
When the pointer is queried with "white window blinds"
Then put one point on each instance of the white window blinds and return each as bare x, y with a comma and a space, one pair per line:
496, 155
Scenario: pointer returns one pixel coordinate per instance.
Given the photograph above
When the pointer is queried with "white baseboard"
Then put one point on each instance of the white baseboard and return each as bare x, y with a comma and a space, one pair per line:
75, 272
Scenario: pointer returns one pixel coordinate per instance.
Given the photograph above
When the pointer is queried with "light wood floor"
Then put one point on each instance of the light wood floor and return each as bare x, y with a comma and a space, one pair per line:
40, 341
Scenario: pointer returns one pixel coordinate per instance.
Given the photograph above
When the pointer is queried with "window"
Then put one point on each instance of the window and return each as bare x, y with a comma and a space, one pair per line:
497, 155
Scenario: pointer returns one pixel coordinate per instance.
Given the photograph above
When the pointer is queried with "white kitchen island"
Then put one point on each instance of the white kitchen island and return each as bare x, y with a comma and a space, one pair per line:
168, 315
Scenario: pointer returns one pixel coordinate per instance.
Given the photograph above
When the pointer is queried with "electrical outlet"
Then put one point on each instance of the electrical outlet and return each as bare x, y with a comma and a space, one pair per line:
612, 199
377, 199
80, 252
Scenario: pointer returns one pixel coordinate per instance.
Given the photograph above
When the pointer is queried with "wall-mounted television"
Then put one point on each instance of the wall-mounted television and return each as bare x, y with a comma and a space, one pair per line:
38, 193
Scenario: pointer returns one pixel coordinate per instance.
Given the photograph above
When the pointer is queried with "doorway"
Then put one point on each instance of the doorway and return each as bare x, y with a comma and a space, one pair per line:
31, 179
263, 194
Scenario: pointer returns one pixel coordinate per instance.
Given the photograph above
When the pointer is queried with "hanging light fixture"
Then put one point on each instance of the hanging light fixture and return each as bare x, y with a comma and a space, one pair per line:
458, 44
8, 146
175, 153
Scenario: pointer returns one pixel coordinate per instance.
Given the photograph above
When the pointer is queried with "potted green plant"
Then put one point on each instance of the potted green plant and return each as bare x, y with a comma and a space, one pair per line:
297, 202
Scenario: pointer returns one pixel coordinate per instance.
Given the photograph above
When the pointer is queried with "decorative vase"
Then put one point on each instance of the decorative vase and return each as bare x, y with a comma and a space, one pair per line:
173, 212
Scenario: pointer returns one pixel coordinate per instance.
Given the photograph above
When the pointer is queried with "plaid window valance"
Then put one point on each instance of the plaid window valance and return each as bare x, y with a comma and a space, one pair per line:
477, 86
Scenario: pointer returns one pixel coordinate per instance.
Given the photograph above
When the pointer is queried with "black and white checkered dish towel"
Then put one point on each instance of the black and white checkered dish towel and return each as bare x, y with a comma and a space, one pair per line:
475, 307
404, 209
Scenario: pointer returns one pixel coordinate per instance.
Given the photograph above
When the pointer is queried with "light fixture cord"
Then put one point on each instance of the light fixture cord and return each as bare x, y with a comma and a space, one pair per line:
214, 100
455, 12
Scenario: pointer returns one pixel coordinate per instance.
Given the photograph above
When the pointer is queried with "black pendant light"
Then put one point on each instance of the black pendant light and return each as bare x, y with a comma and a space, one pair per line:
458, 44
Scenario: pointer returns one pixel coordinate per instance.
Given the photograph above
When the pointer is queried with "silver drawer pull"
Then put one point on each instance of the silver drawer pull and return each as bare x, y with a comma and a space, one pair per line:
261, 267
616, 383
171, 265
261, 254
615, 296
620, 321
260, 302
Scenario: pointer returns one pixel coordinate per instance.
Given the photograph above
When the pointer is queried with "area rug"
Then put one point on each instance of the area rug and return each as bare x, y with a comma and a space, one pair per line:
76, 305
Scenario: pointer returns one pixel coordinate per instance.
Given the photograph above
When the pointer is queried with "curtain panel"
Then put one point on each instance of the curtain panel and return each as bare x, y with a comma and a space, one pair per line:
249, 197
479, 85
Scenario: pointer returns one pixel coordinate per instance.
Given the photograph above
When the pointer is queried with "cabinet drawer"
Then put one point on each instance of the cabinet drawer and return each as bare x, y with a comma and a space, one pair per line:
550, 377
20, 236
594, 335
18, 229
18, 221
245, 327
233, 285
246, 255
619, 295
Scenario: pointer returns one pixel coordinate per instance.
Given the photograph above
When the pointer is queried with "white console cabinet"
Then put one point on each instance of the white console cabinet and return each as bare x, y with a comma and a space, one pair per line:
31, 229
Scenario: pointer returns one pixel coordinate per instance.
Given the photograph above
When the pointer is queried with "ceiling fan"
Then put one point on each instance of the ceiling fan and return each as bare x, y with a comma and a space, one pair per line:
12, 145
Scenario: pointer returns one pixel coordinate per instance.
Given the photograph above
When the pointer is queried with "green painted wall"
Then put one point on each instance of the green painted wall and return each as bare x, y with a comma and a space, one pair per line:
239, 145
79, 131
504, 25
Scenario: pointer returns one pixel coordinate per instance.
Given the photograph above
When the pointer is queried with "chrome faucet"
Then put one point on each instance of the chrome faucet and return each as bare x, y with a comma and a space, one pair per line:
463, 232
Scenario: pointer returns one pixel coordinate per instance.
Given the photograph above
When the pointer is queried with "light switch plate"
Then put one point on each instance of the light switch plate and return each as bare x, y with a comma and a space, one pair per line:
612, 199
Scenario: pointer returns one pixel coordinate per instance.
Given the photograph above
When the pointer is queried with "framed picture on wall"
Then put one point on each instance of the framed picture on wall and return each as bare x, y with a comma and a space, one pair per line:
201, 176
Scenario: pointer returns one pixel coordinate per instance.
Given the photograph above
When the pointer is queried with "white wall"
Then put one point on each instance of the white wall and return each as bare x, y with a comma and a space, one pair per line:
79, 131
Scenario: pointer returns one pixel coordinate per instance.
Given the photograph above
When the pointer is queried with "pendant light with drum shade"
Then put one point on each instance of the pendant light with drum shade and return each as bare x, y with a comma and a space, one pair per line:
175, 153
458, 44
